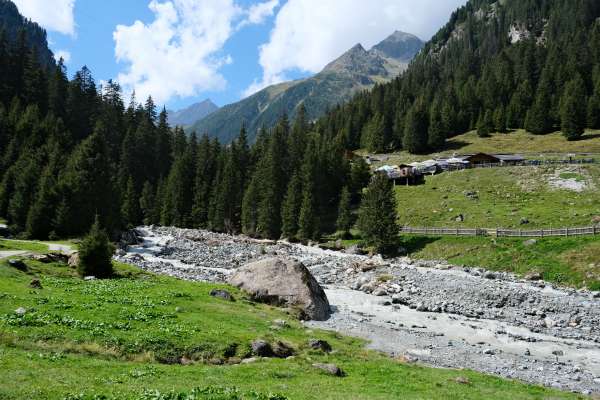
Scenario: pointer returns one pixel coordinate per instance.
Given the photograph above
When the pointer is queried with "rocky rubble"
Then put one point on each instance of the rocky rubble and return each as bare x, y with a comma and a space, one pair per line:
429, 311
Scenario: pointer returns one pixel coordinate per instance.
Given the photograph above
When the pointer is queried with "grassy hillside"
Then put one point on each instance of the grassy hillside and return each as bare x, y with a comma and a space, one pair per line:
535, 146
504, 197
124, 336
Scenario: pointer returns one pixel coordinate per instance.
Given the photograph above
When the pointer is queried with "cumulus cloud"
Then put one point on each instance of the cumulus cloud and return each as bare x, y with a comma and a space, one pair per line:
179, 53
308, 34
64, 54
258, 13
54, 15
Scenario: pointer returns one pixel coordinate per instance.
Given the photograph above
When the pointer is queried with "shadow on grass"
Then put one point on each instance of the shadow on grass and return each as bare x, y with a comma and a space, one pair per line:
414, 244
455, 144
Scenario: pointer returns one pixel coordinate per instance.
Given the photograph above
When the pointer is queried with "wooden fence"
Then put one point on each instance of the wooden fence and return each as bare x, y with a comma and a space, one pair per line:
592, 230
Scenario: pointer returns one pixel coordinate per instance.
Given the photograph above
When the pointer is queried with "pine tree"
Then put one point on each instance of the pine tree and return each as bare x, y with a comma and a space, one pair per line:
131, 205
87, 185
147, 204
415, 129
291, 208
485, 124
344, 218
437, 131
377, 215
308, 228
40, 215
95, 254
500, 120
250, 208
538, 120
573, 109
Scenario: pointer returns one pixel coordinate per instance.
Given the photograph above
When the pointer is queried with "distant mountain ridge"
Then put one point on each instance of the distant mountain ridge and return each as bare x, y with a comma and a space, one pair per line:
355, 70
191, 114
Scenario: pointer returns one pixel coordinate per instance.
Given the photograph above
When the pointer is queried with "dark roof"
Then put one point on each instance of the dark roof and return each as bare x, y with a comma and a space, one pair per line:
509, 157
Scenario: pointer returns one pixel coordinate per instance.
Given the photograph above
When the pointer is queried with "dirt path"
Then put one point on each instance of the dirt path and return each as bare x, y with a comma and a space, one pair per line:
429, 312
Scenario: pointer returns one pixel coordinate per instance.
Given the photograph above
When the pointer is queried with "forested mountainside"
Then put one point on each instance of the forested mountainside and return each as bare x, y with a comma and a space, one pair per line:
16, 29
356, 70
70, 151
496, 65
191, 114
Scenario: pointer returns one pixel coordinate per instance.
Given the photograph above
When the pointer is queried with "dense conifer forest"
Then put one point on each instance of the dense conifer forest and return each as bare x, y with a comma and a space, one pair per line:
71, 150
496, 65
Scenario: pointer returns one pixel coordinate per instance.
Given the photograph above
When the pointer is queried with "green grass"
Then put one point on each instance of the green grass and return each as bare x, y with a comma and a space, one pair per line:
549, 146
116, 338
502, 198
569, 261
17, 245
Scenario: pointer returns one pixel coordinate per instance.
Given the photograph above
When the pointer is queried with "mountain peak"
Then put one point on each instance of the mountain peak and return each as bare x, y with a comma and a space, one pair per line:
400, 46
193, 113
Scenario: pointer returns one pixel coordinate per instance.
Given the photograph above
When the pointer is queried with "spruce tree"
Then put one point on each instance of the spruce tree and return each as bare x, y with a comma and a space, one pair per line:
377, 215
573, 109
437, 131
291, 208
40, 215
147, 204
415, 129
250, 208
344, 217
130, 210
95, 254
308, 228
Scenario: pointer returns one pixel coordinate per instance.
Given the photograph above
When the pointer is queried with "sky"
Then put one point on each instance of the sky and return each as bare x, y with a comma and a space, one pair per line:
185, 51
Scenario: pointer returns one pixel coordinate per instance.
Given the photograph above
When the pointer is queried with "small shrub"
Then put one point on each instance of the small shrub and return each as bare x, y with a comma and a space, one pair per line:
95, 254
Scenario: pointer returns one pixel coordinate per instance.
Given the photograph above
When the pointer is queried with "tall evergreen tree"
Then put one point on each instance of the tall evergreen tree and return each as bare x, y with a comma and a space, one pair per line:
344, 217
377, 215
291, 208
573, 109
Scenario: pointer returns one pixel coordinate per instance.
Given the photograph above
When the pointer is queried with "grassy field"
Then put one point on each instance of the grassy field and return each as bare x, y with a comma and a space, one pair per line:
521, 142
122, 337
34, 247
503, 197
567, 261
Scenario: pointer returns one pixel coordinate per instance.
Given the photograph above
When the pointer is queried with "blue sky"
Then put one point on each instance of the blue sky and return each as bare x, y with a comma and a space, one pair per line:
183, 51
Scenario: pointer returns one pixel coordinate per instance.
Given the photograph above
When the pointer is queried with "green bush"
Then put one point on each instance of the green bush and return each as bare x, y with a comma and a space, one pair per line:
95, 254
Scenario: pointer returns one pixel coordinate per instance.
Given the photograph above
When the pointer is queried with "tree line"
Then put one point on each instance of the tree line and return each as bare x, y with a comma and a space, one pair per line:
496, 66
71, 151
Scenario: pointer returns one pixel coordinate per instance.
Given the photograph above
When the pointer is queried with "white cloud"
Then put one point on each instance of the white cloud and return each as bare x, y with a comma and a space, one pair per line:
64, 54
258, 13
179, 53
308, 34
54, 15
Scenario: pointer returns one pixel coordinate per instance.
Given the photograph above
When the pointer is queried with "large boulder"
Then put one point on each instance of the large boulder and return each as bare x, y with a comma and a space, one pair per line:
283, 282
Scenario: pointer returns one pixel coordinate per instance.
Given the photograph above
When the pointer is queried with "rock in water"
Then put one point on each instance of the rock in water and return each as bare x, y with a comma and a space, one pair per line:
283, 282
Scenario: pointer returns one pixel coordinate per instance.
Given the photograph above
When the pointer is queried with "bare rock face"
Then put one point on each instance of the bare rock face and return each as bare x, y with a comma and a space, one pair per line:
282, 282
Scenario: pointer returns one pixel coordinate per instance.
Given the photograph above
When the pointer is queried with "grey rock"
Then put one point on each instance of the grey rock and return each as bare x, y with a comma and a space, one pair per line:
221, 294
317, 344
283, 282
20, 311
35, 284
17, 264
262, 348
330, 369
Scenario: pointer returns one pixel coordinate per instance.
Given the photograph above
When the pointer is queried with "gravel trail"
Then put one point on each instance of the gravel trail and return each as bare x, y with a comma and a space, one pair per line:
424, 311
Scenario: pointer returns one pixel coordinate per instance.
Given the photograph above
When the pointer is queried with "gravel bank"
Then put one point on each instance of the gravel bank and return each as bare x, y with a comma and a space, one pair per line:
429, 312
